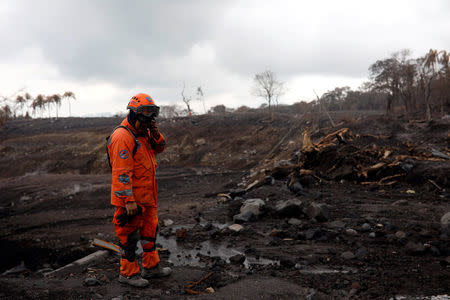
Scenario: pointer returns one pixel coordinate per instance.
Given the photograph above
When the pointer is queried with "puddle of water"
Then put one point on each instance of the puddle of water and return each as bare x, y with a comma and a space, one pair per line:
181, 256
322, 270
203, 224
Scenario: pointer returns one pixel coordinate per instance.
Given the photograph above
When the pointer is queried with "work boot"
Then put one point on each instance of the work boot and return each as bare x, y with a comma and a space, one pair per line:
156, 272
135, 280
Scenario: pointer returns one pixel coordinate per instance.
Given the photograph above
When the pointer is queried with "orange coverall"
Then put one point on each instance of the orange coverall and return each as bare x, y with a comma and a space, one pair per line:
134, 179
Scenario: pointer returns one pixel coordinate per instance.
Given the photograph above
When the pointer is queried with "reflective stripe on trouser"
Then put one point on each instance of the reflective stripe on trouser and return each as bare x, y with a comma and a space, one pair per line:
128, 236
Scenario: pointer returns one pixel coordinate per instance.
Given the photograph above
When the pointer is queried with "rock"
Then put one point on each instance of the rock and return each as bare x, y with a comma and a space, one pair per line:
351, 232
435, 251
236, 227
236, 192
237, 259
365, 227
356, 285
294, 221
373, 235
296, 187
287, 263
348, 255
400, 203
210, 290
361, 253
289, 208
318, 211
445, 223
410, 191
200, 142
311, 234
400, 234
415, 248
269, 180
253, 205
244, 217
167, 222
90, 281
282, 163
336, 225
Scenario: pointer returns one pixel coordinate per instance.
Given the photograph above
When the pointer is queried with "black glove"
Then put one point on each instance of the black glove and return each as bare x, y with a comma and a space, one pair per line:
124, 218
154, 131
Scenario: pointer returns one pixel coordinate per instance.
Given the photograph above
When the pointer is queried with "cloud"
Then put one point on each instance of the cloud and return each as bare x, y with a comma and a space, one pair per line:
125, 47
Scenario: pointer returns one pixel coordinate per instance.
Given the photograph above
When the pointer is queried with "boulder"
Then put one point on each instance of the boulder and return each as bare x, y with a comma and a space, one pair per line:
253, 205
167, 222
318, 211
244, 217
351, 232
415, 248
289, 208
200, 142
312, 233
236, 227
336, 225
445, 223
90, 281
294, 221
296, 187
348, 255
361, 253
237, 259
400, 203
400, 234
365, 227
236, 192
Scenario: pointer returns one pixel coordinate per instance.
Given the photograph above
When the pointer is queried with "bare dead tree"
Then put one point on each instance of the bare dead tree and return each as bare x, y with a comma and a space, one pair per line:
187, 100
320, 101
268, 87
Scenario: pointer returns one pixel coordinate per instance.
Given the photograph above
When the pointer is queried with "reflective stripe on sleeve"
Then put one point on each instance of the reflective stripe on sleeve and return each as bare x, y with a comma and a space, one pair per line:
128, 192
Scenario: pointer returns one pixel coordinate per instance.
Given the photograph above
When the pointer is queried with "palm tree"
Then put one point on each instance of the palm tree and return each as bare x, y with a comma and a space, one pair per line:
56, 99
20, 103
69, 95
38, 103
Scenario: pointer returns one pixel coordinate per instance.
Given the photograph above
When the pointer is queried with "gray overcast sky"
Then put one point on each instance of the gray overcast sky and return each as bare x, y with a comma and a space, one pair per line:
107, 51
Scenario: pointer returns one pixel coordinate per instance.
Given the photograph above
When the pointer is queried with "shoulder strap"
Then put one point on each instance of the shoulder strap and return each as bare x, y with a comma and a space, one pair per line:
108, 140
136, 142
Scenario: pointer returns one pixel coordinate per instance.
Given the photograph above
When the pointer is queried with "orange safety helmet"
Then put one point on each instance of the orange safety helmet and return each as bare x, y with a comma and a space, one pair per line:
143, 104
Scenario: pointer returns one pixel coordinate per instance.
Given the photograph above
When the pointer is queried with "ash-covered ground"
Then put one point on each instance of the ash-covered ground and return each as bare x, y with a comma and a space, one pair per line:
248, 208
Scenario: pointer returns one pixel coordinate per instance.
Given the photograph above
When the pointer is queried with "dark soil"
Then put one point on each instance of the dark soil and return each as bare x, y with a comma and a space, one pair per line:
54, 201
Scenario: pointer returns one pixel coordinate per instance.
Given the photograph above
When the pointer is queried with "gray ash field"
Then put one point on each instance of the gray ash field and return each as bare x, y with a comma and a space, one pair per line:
343, 220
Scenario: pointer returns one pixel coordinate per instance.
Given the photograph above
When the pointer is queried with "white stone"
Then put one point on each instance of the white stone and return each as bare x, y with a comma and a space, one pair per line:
236, 227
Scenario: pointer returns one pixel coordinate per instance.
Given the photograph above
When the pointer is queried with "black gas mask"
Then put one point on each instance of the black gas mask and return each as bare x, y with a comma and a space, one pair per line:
147, 114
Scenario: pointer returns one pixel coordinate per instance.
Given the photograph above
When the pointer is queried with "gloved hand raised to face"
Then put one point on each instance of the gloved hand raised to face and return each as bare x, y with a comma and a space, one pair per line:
154, 131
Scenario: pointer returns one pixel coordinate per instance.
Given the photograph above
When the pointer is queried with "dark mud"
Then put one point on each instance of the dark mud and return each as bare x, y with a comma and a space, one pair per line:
375, 243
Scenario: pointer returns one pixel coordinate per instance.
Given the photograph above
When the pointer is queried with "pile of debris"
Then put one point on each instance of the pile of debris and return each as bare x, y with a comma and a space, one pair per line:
362, 159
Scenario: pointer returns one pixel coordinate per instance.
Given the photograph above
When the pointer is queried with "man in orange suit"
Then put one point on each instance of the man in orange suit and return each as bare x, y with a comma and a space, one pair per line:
132, 148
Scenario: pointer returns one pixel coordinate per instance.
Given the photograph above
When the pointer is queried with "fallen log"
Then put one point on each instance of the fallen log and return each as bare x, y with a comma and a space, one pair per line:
91, 258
